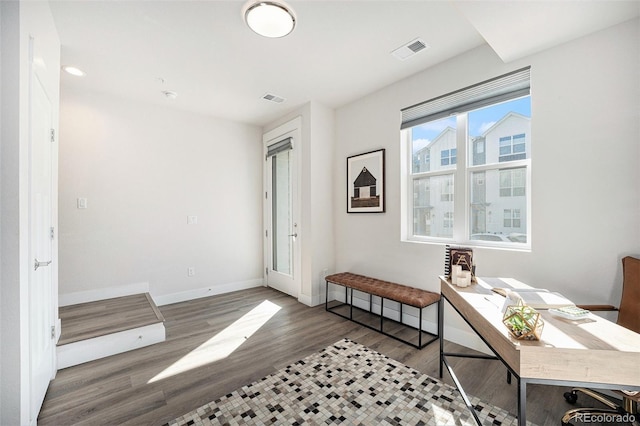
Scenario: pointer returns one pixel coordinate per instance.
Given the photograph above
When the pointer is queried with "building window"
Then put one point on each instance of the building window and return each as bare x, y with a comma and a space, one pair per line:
512, 182
483, 172
448, 220
446, 188
513, 148
511, 218
421, 158
448, 157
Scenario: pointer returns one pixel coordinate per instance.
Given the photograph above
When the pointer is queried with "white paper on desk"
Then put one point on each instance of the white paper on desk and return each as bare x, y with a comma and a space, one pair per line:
537, 299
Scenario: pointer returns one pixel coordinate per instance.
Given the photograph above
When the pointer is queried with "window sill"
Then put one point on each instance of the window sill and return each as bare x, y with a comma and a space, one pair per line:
523, 248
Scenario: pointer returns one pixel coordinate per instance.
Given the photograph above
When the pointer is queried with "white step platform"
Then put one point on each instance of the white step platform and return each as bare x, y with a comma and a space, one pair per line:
108, 327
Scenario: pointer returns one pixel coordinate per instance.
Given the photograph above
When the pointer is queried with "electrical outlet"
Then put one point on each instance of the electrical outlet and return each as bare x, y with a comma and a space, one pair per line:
192, 220
191, 271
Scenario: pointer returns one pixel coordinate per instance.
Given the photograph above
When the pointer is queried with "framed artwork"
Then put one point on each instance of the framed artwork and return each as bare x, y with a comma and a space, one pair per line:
365, 182
462, 256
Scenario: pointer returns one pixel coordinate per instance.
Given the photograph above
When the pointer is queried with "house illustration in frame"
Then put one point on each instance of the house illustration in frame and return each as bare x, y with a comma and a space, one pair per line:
364, 190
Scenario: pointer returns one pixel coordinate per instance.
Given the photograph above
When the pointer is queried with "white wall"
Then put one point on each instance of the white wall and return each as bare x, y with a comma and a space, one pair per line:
20, 22
585, 184
143, 169
321, 202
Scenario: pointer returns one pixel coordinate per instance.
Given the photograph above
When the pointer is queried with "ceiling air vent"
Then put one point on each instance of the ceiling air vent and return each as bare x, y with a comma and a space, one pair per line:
408, 50
273, 98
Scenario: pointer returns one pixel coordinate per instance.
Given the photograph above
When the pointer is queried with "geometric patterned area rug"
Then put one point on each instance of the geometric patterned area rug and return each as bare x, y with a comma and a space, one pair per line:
345, 383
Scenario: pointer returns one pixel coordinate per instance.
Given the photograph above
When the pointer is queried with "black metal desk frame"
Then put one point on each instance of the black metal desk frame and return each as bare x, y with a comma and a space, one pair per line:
522, 382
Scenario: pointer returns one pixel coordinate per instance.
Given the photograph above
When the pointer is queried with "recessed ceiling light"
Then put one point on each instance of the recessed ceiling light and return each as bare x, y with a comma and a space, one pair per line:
74, 71
271, 19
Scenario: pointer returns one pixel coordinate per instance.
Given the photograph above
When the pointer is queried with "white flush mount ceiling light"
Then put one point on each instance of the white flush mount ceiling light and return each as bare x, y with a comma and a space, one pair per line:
73, 71
272, 18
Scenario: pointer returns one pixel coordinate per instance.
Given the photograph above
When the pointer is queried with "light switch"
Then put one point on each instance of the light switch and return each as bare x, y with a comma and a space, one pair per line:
192, 220
82, 203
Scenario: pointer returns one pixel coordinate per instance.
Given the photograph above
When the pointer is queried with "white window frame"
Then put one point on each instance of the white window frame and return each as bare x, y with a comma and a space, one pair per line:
462, 184
460, 103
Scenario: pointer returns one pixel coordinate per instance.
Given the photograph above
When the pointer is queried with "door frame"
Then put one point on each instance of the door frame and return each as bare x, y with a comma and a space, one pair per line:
293, 129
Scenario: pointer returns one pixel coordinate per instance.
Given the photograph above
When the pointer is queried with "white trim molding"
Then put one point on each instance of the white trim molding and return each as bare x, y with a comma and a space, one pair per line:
102, 294
183, 296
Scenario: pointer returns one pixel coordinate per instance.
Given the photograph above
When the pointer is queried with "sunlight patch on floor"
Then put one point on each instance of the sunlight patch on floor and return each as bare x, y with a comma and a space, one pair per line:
440, 413
224, 343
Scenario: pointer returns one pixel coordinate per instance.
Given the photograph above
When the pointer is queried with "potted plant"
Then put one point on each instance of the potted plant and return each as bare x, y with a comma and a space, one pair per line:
523, 322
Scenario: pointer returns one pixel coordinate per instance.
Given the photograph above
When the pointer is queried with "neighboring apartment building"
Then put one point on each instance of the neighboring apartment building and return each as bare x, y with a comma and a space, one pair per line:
498, 196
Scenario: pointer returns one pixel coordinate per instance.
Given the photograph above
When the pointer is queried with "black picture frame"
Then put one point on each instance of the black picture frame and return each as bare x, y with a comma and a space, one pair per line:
366, 182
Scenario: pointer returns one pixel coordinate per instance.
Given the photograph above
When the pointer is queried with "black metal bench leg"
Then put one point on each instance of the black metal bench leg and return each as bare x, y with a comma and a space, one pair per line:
350, 303
381, 313
420, 329
326, 296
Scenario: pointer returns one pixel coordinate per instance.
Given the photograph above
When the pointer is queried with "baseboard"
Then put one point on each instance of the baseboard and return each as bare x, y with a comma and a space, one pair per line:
410, 317
311, 301
160, 300
111, 344
102, 293
183, 296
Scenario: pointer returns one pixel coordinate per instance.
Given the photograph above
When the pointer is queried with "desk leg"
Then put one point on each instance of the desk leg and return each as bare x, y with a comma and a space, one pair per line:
466, 399
522, 402
441, 331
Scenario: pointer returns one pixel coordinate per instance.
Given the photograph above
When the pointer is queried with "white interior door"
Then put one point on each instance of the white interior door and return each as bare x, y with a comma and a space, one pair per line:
42, 344
282, 233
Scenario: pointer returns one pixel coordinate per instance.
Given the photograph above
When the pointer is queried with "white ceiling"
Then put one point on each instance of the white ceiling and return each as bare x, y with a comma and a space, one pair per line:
339, 51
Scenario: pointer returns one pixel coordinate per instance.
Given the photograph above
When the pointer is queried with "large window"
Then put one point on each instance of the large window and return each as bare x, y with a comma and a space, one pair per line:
467, 165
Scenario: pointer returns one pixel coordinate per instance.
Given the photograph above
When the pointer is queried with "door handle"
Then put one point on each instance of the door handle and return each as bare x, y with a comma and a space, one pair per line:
294, 235
39, 264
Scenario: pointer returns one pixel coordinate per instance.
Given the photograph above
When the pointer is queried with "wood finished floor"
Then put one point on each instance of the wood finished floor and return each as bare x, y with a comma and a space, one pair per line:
117, 389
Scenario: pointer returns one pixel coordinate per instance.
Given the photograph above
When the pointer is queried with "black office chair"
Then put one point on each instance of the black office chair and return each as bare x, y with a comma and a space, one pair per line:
628, 317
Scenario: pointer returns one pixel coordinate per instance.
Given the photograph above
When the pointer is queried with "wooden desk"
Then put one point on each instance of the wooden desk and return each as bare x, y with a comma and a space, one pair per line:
591, 352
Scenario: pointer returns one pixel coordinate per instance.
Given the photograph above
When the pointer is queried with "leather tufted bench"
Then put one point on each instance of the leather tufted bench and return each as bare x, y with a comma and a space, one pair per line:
402, 294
